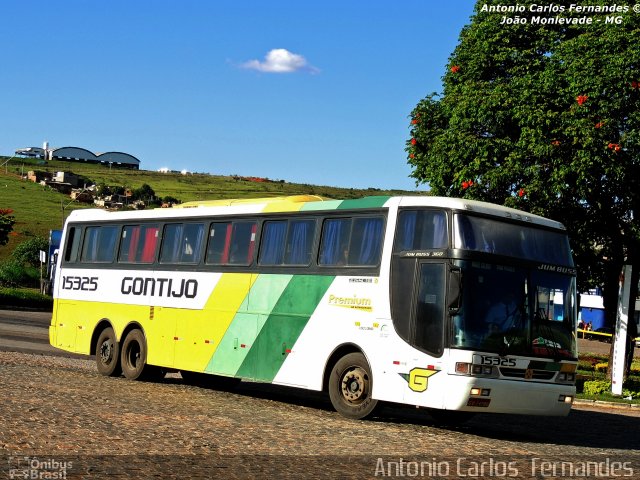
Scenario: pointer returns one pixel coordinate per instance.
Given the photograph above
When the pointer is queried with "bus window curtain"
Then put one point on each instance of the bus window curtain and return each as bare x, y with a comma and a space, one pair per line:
299, 242
149, 246
107, 244
192, 243
90, 248
272, 250
331, 242
134, 238
171, 244
439, 230
227, 245
371, 242
407, 231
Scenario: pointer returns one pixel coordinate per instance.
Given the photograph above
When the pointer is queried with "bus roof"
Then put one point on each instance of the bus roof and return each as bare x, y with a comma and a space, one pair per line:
302, 203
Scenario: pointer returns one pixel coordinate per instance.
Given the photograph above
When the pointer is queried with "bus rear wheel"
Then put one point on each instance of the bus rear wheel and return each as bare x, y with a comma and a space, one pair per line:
108, 354
133, 357
350, 387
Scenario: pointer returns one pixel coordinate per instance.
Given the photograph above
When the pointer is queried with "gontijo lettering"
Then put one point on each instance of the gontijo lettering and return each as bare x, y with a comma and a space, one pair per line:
159, 287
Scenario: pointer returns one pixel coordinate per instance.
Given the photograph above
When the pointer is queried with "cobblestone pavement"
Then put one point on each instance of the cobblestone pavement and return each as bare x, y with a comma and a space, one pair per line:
58, 416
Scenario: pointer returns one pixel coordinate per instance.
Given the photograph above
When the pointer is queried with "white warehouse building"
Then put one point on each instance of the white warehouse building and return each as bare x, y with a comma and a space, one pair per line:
78, 154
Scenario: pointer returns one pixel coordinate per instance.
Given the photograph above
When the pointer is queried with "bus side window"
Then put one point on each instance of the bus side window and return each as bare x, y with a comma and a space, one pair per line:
334, 247
243, 241
366, 241
219, 242
354, 242
231, 243
181, 243
272, 242
99, 244
138, 244
421, 230
73, 244
299, 243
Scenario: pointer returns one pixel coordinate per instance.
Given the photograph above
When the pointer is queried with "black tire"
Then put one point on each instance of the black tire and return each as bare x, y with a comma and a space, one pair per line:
133, 357
350, 387
108, 354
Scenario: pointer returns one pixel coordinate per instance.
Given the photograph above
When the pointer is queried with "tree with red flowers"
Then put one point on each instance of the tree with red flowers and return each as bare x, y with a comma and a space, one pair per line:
6, 225
517, 115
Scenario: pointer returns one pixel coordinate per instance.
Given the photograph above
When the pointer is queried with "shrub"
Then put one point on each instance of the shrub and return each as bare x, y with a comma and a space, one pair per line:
632, 384
597, 387
24, 298
601, 367
28, 252
585, 366
13, 274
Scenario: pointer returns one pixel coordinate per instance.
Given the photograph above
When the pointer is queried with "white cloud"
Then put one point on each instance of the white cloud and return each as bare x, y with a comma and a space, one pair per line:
280, 60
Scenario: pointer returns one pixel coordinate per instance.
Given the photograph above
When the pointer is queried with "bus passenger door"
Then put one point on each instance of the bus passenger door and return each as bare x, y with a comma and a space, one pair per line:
418, 311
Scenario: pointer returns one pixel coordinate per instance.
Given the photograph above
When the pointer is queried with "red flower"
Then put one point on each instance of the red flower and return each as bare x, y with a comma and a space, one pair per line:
521, 192
414, 122
555, 143
465, 185
413, 141
614, 146
411, 155
581, 99
455, 68
599, 125
635, 84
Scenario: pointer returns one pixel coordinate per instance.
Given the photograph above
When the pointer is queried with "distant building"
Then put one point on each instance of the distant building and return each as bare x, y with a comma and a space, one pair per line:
78, 154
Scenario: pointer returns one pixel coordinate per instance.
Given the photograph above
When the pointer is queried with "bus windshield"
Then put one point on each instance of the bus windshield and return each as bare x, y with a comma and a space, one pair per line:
513, 310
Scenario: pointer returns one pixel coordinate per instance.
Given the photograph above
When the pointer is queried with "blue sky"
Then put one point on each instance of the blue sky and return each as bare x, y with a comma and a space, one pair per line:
192, 84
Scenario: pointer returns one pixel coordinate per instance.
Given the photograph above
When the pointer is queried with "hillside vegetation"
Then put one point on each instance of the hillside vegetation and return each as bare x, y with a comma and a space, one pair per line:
38, 209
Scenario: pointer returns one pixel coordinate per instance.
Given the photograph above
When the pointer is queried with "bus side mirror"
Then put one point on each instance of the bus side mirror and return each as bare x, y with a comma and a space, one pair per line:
454, 293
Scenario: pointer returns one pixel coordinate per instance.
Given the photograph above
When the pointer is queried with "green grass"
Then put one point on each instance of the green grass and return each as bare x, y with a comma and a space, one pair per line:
39, 209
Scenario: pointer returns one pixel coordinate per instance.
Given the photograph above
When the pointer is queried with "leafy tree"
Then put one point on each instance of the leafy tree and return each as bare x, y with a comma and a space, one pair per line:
145, 192
6, 225
544, 118
28, 252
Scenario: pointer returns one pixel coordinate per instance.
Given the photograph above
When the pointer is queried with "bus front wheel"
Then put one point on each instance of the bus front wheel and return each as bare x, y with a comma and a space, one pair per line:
133, 356
350, 386
108, 353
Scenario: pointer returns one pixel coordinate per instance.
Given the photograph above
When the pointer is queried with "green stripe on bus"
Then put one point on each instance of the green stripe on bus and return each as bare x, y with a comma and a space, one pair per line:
366, 202
283, 326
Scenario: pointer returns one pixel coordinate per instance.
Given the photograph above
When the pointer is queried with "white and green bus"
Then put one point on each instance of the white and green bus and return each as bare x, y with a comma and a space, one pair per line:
448, 304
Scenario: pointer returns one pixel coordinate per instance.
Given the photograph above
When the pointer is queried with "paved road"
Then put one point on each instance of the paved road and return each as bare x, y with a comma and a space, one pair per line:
60, 410
25, 331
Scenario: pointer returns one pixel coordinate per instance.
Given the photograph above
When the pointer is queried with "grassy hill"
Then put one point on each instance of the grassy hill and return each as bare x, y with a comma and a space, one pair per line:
39, 209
